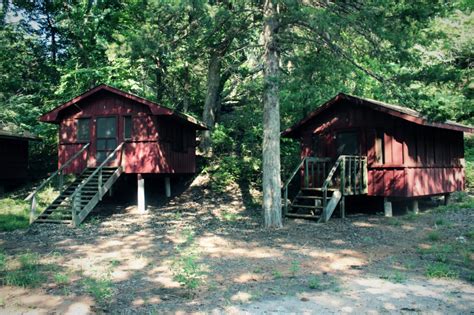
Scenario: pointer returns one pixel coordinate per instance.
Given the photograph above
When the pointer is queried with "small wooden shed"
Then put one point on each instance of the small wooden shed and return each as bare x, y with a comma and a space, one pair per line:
402, 153
106, 132
14, 156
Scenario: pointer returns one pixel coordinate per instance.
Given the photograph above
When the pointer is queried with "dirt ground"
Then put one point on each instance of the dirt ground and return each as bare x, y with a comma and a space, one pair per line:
362, 264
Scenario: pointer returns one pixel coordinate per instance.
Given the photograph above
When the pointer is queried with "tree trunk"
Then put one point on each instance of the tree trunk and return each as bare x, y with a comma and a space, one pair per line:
271, 120
212, 97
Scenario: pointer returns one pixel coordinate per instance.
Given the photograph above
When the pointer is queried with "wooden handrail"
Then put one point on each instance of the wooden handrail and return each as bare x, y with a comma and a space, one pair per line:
287, 183
99, 168
57, 172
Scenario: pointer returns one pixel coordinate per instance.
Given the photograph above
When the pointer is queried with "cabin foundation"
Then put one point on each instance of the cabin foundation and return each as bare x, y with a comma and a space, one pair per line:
140, 193
387, 207
447, 198
167, 186
413, 206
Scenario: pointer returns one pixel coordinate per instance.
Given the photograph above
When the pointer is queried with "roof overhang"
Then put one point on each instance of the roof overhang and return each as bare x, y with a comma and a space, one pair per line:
157, 110
5, 134
390, 109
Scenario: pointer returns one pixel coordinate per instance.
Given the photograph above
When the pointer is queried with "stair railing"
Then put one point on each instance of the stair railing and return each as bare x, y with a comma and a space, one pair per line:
287, 183
57, 174
76, 196
352, 176
314, 169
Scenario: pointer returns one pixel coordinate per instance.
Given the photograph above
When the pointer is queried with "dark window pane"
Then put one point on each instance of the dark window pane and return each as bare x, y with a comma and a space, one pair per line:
83, 129
379, 147
127, 127
347, 143
101, 155
101, 144
111, 144
106, 127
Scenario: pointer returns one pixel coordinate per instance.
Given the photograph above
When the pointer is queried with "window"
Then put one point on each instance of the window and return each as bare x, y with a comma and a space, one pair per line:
347, 143
379, 147
83, 127
127, 127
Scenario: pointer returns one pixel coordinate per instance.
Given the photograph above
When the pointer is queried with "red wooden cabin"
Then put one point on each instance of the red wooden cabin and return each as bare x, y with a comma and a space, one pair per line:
14, 156
106, 132
406, 155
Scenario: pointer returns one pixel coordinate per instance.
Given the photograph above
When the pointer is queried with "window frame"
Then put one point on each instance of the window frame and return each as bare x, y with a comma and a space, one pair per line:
356, 132
130, 119
78, 129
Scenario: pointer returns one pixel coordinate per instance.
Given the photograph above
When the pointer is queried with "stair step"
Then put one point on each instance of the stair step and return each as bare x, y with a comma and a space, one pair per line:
53, 221
309, 197
306, 206
317, 189
302, 216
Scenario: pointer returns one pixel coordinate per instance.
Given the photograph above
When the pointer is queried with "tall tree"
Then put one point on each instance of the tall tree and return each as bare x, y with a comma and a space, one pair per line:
271, 119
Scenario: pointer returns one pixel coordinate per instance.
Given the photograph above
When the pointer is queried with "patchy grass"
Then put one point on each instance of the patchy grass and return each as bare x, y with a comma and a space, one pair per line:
395, 277
14, 214
25, 271
294, 268
187, 270
100, 289
433, 236
441, 270
321, 283
314, 283
61, 279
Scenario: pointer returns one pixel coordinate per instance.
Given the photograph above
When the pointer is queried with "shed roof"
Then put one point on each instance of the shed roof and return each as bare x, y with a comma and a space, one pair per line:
390, 109
156, 109
6, 133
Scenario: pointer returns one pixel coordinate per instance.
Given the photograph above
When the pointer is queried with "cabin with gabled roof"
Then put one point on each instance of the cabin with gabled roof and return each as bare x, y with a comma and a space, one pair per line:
105, 133
353, 146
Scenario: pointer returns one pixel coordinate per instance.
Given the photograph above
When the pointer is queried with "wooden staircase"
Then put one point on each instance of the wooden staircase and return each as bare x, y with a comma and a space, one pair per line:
78, 199
324, 188
61, 209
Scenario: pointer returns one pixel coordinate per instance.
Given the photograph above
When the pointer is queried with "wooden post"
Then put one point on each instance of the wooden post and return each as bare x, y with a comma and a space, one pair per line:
342, 207
387, 207
76, 208
168, 186
99, 184
414, 206
141, 193
33, 208
61, 181
343, 176
447, 197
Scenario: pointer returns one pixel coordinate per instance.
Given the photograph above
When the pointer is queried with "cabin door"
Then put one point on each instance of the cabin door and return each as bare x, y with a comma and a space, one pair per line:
106, 138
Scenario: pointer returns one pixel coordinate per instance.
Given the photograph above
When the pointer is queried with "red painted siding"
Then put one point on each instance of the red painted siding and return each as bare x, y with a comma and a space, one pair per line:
418, 160
152, 147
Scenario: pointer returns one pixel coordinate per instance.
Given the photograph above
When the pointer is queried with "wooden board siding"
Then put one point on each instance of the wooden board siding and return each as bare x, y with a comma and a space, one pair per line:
152, 147
13, 159
418, 160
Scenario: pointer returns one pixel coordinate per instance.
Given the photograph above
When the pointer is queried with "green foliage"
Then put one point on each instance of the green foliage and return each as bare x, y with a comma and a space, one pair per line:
61, 279
314, 283
28, 273
395, 277
295, 268
101, 289
14, 214
441, 270
434, 236
186, 268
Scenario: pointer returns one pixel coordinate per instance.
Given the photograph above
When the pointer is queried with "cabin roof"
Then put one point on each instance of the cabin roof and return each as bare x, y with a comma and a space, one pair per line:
23, 135
156, 109
390, 109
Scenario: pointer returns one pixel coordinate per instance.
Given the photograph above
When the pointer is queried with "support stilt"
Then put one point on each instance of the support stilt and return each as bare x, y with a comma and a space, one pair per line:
342, 207
141, 193
168, 186
447, 197
414, 206
387, 207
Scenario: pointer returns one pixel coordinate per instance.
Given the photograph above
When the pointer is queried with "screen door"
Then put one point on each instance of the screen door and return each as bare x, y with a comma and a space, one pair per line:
106, 137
